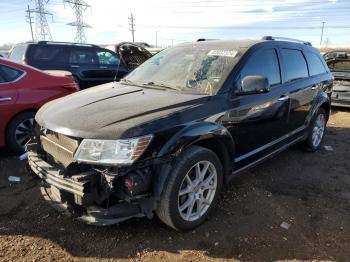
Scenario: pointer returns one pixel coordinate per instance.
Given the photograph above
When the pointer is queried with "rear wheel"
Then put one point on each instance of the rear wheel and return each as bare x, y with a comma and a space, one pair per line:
20, 130
316, 131
192, 190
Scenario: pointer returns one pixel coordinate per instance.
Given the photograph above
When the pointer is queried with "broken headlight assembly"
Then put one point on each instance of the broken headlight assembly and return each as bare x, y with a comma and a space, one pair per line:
112, 152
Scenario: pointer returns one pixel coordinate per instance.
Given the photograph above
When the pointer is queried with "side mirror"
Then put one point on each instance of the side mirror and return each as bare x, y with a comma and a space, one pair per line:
254, 85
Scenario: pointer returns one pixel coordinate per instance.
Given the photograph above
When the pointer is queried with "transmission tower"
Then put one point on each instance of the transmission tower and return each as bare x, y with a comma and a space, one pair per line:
42, 29
79, 6
29, 20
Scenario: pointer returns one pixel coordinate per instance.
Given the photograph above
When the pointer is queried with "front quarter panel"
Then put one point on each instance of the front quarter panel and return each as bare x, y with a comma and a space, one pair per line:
196, 132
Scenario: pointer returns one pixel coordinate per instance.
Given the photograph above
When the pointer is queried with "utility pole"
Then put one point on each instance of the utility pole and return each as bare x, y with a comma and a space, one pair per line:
79, 6
29, 17
156, 38
132, 27
42, 29
322, 33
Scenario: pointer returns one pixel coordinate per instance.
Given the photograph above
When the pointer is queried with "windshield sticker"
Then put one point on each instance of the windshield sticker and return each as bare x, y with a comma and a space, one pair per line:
229, 53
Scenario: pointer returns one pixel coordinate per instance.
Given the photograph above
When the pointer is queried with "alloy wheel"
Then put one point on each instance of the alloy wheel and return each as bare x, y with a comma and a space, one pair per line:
318, 130
197, 190
24, 131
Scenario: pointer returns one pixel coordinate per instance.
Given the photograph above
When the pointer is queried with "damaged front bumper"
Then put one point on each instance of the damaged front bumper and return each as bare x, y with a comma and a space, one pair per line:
76, 195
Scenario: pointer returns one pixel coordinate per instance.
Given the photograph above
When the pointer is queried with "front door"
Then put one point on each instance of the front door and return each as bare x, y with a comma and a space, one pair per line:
258, 122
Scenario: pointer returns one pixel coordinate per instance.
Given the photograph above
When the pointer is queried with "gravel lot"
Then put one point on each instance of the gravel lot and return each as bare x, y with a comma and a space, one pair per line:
309, 191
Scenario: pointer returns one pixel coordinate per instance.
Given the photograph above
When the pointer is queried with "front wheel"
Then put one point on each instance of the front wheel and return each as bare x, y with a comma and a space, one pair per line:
316, 131
192, 189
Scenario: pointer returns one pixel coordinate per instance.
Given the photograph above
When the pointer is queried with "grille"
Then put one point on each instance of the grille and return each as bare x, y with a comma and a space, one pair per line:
60, 147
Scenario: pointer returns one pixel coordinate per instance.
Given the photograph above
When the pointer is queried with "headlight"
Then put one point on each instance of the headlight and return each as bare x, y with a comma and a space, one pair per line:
122, 152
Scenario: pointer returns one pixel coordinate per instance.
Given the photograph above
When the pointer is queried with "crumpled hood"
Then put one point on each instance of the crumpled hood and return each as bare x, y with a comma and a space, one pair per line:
108, 112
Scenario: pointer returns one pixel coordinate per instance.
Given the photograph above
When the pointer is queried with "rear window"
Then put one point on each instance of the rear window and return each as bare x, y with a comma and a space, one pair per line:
17, 53
316, 66
294, 64
93, 56
83, 56
106, 57
10, 74
47, 53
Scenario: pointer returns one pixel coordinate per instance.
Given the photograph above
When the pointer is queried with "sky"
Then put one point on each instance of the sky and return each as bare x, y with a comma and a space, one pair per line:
178, 21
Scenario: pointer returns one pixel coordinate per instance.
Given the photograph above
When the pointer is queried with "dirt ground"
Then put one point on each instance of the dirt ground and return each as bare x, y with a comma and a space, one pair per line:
309, 191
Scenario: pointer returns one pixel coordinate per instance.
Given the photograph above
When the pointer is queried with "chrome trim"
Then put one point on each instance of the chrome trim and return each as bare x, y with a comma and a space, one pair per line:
272, 143
258, 161
3, 99
283, 98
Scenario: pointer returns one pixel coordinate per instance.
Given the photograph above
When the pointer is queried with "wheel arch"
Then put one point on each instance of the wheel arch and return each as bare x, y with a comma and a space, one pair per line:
209, 135
322, 101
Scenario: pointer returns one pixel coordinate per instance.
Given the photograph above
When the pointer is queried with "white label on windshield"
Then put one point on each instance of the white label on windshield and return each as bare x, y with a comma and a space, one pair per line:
229, 53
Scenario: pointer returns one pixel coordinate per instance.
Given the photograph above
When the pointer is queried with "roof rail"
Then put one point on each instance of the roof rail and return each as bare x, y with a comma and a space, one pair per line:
285, 39
65, 43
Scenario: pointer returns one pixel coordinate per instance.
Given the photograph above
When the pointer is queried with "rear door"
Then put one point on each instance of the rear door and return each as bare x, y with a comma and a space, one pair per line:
301, 89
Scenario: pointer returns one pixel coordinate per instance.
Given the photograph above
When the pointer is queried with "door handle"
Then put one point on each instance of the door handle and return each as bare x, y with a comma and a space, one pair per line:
103, 67
314, 87
74, 66
283, 98
3, 99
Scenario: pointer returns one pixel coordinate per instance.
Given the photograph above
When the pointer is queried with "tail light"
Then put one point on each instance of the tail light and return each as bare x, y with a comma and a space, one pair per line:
71, 86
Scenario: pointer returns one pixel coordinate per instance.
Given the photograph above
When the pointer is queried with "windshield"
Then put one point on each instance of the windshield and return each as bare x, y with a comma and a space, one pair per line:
339, 65
196, 69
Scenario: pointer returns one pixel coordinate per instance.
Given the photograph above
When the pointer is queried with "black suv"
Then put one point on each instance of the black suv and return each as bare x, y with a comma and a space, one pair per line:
166, 138
90, 64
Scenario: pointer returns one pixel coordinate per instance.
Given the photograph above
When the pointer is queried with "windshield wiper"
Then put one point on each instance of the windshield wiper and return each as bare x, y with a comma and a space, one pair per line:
157, 84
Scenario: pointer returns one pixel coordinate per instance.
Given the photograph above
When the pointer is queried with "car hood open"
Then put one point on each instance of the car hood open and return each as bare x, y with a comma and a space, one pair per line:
116, 110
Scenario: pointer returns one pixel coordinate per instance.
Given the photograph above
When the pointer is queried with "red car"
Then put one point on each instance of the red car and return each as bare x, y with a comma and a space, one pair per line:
23, 90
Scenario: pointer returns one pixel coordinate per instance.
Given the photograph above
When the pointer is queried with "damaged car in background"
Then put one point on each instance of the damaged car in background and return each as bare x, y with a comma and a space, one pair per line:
166, 138
339, 64
132, 54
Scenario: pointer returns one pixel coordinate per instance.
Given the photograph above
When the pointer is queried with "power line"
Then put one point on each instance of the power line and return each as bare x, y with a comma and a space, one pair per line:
243, 27
79, 6
132, 26
42, 29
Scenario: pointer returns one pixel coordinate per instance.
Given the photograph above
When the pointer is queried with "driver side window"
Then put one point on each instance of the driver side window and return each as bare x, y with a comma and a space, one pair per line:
263, 63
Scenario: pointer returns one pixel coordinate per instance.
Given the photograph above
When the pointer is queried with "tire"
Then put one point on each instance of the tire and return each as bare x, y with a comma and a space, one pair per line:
204, 194
19, 131
316, 131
